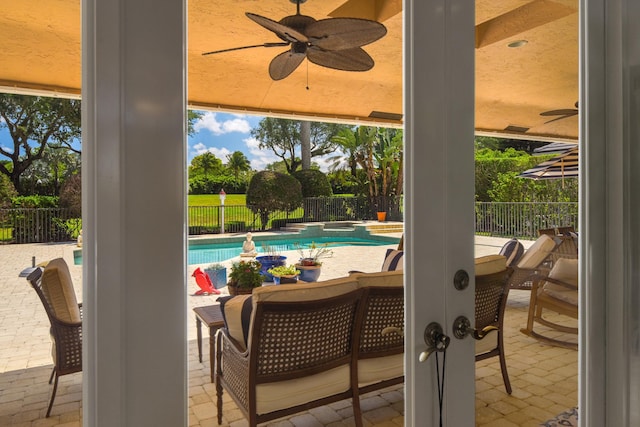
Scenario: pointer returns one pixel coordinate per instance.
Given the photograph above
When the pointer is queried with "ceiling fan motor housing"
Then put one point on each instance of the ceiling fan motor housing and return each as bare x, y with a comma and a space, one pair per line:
299, 47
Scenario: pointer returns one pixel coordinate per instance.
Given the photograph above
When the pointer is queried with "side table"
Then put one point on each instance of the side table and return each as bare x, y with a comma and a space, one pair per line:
212, 317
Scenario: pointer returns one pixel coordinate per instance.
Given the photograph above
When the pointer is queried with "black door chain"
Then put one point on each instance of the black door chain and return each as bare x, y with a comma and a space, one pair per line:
441, 382
437, 342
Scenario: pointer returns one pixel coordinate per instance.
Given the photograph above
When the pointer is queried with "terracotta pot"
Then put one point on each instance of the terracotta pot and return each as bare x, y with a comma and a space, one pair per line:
235, 290
382, 216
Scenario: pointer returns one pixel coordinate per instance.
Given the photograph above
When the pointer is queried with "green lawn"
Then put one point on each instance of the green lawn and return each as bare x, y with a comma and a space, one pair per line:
214, 199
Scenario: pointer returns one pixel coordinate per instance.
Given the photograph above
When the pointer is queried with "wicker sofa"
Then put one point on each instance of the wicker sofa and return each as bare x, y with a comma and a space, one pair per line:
307, 345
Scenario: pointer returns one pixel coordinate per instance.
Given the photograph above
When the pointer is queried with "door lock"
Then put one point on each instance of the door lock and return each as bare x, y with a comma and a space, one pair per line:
435, 339
462, 328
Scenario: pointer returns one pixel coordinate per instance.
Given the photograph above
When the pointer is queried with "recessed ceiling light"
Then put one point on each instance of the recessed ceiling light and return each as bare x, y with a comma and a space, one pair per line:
518, 43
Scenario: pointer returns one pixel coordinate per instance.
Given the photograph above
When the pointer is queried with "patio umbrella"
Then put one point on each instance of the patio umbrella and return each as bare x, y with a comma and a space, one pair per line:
563, 166
554, 148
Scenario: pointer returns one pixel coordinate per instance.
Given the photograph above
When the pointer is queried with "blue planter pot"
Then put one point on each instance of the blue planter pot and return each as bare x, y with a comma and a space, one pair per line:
309, 273
268, 261
218, 277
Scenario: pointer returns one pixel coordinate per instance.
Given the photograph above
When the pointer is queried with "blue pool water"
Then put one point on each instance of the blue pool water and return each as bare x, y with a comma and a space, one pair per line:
218, 252
205, 253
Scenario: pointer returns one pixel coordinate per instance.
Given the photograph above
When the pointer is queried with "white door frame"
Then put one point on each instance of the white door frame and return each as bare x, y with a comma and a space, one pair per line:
439, 214
609, 213
126, 49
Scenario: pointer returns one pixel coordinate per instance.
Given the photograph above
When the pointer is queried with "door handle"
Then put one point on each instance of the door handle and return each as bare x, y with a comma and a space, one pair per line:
462, 328
435, 339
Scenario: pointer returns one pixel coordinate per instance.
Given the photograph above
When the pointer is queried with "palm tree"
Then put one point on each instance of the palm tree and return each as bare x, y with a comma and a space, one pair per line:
237, 162
205, 163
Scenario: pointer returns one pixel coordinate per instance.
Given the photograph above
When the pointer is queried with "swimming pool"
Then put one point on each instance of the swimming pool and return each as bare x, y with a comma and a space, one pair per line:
221, 251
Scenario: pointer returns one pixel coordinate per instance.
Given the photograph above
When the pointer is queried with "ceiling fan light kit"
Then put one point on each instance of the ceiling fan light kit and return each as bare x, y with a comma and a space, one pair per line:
332, 43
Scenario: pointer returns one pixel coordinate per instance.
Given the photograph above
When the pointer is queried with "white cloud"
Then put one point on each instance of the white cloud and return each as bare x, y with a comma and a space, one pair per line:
210, 122
200, 148
220, 153
259, 158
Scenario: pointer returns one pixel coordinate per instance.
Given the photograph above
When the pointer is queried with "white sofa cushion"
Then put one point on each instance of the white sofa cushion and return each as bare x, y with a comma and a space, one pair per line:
382, 278
490, 264
377, 369
565, 270
537, 252
285, 394
57, 286
305, 291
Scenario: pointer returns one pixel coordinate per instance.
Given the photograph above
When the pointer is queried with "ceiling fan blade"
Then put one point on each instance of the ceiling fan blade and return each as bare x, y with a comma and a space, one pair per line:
247, 47
562, 112
355, 59
566, 116
344, 33
285, 33
284, 64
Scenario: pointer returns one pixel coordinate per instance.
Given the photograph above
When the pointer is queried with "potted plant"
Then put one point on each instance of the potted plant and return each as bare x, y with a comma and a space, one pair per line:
244, 276
218, 274
310, 260
284, 274
270, 259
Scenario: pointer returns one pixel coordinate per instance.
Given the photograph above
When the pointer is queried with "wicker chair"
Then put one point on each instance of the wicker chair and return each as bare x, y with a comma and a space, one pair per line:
381, 349
566, 247
532, 262
558, 292
55, 289
492, 291
300, 353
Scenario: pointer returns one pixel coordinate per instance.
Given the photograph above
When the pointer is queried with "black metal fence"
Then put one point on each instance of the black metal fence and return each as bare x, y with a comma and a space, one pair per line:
522, 220
40, 225
240, 218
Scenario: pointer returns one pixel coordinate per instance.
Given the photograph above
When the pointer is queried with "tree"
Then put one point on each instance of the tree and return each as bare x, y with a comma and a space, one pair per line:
237, 162
273, 191
192, 117
7, 192
48, 174
204, 165
389, 159
349, 142
71, 195
314, 183
35, 124
282, 136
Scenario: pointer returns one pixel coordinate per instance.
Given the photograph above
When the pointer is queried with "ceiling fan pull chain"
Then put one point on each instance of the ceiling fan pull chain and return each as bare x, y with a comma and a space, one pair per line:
307, 74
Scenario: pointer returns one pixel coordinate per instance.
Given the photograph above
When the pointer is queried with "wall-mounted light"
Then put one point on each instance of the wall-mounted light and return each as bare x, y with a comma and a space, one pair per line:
518, 43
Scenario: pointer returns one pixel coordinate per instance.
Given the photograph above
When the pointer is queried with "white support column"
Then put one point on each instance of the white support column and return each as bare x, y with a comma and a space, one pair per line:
134, 253
610, 214
439, 117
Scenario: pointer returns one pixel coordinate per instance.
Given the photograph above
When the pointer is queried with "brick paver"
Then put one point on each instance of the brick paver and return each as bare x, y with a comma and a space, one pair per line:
544, 378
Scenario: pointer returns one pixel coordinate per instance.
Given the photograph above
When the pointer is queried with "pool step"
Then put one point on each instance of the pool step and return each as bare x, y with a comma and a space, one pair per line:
293, 227
296, 227
384, 227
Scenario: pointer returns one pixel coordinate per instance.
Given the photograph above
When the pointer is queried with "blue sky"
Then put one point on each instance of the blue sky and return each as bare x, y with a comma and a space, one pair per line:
222, 134
219, 133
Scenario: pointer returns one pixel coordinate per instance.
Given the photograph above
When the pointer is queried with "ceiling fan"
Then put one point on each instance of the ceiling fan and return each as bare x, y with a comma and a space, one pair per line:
332, 43
563, 113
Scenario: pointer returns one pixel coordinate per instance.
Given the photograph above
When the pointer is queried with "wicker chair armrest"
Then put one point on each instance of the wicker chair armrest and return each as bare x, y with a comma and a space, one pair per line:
569, 286
232, 365
63, 324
